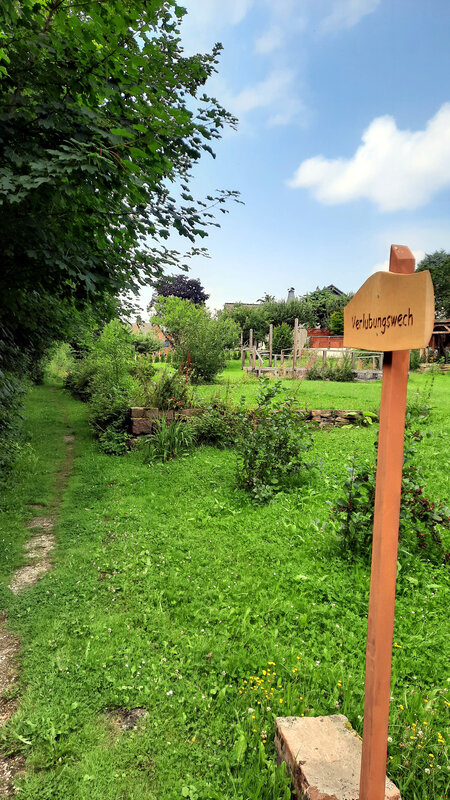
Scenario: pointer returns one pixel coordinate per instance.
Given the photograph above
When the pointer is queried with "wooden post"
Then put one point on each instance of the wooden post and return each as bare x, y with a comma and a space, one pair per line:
270, 343
294, 355
250, 341
282, 358
254, 358
353, 360
324, 358
384, 558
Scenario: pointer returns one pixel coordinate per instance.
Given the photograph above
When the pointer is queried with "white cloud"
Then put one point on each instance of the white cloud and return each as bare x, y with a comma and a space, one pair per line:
393, 168
347, 14
270, 40
276, 94
262, 94
206, 21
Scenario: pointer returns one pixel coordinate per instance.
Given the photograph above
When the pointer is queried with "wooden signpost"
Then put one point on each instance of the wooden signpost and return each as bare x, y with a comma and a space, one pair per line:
392, 312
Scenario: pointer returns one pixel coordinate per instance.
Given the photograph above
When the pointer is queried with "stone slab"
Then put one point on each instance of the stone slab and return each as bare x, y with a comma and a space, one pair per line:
323, 756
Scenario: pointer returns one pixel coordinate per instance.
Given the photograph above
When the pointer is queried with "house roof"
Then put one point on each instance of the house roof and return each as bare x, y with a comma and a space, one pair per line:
334, 289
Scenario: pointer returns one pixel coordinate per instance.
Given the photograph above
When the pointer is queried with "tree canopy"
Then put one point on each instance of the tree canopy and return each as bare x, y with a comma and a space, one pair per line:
180, 286
102, 119
98, 138
313, 310
199, 338
439, 265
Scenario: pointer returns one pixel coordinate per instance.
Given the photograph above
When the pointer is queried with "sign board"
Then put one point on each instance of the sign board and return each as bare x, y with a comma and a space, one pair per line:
391, 312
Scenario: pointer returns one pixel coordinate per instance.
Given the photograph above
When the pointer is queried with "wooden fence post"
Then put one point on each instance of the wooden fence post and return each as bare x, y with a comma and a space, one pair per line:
294, 355
270, 343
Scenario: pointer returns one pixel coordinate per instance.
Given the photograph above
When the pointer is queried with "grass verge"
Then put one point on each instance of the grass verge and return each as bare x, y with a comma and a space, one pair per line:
172, 593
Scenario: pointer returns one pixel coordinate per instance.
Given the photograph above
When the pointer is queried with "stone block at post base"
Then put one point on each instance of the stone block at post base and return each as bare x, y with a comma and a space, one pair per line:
323, 756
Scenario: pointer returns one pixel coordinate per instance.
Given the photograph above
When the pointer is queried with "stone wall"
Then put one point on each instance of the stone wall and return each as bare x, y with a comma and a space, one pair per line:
142, 420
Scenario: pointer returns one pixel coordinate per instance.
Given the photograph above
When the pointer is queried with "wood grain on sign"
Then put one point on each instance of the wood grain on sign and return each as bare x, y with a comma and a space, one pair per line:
391, 312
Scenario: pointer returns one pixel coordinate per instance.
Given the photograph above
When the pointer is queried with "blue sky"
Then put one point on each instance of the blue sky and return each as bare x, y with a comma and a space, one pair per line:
343, 144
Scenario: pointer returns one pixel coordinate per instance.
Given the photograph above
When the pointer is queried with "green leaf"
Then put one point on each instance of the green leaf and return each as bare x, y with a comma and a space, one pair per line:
122, 132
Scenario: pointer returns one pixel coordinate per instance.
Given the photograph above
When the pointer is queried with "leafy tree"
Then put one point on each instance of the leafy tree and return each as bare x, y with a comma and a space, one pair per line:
98, 120
282, 338
313, 310
337, 323
180, 286
146, 342
324, 302
247, 318
439, 265
199, 339
102, 120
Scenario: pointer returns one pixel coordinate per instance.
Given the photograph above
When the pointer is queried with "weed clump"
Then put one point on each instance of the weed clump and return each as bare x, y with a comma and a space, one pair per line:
271, 451
334, 370
423, 524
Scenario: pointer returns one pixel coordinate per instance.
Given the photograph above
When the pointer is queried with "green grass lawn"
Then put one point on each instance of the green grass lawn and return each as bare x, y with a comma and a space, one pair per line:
234, 385
173, 593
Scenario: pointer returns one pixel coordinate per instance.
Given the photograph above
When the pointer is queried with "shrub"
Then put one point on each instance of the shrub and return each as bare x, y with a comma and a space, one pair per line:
145, 343
170, 392
60, 362
170, 440
337, 323
422, 523
200, 339
12, 390
108, 408
143, 371
219, 425
271, 455
113, 442
78, 380
414, 359
334, 370
282, 338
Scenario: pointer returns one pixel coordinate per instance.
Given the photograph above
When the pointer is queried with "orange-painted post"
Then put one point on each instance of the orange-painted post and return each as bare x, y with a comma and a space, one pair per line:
384, 559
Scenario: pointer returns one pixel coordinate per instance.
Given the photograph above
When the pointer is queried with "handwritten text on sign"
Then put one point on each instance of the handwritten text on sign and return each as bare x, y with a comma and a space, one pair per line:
391, 312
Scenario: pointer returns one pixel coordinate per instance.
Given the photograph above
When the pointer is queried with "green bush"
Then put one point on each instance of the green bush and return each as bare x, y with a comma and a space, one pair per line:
272, 447
145, 343
414, 359
59, 363
143, 371
334, 370
108, 408
12, 390
170, 392
105, 379
422, 523
282, 338
337, 323
200, 339
169, 440
219, 425
78, 380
